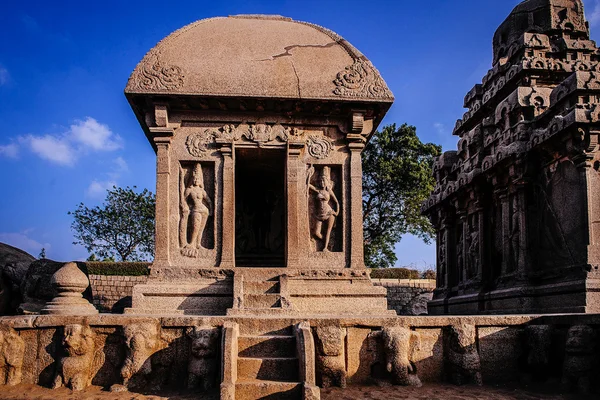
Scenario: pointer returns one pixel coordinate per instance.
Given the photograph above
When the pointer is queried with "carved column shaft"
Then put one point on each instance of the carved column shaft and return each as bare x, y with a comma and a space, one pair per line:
161, 227
356, 229
505, 206
481, 233
293, 209
228, 200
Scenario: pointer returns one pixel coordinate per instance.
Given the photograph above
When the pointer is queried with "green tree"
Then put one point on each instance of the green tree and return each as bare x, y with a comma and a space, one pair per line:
122, 228
397, 178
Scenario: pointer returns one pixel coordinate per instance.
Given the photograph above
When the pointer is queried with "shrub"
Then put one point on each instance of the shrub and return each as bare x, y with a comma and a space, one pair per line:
395, 273
428, 274
118, 268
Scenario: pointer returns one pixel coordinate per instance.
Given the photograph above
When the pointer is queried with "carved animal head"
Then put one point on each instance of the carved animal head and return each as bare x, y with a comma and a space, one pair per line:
580, 339
204, 341
330, 340
78, 339
462, 337
400, 345
141, 337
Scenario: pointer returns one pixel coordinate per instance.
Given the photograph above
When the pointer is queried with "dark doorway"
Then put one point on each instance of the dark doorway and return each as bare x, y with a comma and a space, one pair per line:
260, 208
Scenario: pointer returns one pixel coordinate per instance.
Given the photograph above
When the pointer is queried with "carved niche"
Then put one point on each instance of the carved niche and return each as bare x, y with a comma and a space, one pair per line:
196, 194
324, 207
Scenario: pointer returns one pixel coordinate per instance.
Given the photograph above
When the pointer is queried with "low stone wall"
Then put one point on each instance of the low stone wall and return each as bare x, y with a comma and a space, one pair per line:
112, 293
111, 349
407, 296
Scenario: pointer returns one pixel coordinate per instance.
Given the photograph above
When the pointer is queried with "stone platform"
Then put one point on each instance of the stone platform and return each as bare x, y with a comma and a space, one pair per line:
255, 357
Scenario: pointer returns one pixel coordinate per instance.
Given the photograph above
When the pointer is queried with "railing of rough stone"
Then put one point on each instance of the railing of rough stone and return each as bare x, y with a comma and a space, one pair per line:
231, 333
305, 350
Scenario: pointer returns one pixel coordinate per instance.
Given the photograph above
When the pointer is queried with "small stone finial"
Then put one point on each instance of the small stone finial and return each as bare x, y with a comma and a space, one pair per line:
69, 283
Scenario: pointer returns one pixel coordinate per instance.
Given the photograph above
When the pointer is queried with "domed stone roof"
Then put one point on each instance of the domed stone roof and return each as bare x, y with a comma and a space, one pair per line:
258, 56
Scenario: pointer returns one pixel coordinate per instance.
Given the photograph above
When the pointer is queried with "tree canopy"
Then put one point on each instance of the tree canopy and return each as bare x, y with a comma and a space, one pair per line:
397, 178
121, 229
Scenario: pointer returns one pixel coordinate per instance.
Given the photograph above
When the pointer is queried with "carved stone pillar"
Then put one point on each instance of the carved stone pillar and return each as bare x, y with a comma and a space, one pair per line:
161, 227
481, 235
505, 206
464, 243
446, 253
521, 202
357, 257
293, 199
228, 225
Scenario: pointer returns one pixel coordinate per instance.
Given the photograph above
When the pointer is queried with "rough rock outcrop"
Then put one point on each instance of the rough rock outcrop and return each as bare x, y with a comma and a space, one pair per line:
14, 264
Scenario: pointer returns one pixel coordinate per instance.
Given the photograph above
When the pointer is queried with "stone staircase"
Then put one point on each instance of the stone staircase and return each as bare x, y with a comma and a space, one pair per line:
268, 359
267, 362
259, 294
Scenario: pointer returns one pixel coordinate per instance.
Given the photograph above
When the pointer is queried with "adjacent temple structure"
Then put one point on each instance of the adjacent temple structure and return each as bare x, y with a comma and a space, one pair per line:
517, 207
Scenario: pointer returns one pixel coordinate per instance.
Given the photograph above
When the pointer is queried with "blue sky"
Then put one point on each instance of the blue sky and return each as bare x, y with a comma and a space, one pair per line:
68, 132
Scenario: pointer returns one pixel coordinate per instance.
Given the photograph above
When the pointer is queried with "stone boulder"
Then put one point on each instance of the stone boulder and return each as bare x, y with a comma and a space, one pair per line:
14, 264
37, 289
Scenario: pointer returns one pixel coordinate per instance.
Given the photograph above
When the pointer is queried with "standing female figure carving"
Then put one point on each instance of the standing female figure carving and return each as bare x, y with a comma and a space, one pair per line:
323, 212
195, 207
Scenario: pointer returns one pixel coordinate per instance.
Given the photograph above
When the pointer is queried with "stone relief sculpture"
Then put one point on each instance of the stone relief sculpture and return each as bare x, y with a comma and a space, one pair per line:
331, 364
400, 346
82, 361
515, 230
157, 76
461, 355
319, 147
141, 341
203, 363
580, 359
538, 345
12, 349
360, 80
323, 212
473, 248
196, 206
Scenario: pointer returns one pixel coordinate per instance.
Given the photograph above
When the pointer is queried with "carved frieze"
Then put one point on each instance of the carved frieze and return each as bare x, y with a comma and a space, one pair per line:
319, 147
360, 80
155, 75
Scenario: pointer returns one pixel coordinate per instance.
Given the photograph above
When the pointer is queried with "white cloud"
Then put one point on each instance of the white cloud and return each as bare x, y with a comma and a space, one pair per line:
23, 242
51, 148
81, 137
4, 76
97, 189
440, 128
594, 15
10, 150
94, 135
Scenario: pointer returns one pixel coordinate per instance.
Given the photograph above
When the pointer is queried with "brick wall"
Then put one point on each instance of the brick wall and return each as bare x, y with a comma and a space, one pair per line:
407, 296
113, 293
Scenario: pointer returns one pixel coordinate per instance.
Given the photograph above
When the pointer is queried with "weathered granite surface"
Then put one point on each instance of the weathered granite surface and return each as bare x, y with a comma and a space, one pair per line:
516, 207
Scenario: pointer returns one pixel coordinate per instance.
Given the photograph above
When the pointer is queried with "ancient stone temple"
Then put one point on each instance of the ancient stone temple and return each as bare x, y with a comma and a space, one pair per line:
517, 206
258, 123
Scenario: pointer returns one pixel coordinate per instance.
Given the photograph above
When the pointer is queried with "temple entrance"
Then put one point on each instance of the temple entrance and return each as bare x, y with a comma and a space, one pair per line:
260, 208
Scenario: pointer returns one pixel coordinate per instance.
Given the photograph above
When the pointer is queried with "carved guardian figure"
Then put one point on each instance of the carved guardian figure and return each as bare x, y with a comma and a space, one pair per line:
461, 355
538, 345
579, 358
331, 364
142, 341
400, 346
12, 349
76, 369
202, 367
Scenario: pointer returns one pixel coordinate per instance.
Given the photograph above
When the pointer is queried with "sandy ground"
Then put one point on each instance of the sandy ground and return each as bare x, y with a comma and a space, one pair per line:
427, 392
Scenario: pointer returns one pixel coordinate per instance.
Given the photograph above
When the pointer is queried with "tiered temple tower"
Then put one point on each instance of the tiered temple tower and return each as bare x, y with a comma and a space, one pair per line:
517, 207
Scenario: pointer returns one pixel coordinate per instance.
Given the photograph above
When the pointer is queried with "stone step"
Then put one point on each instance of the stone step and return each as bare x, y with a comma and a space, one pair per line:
262, 300
280, 369
267, 346
261, 287
255, 389
266, 327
